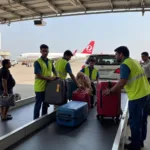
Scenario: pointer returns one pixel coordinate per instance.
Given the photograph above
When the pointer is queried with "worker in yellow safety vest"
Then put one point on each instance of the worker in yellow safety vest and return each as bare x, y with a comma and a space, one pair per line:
43, 70
93, 74
134, 80
63, 68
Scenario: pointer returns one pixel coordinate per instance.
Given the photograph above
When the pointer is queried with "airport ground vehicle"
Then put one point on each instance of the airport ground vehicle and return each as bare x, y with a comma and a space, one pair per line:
106, 64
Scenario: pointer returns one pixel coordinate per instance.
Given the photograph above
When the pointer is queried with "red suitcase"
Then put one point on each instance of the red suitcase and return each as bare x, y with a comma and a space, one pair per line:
81, 95
110, 105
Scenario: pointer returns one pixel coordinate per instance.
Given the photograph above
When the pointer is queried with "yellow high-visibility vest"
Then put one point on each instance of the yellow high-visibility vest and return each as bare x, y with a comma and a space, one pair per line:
94, 73
137, 85
39, 84
60, 67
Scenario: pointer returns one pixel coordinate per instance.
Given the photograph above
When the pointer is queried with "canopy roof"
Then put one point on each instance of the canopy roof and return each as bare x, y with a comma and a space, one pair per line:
19, 10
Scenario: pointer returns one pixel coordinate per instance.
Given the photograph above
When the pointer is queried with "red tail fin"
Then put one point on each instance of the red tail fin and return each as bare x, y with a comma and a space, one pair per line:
89, 48
75, 52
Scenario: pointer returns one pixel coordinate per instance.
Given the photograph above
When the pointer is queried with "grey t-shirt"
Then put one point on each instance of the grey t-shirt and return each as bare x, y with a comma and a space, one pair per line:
146, 67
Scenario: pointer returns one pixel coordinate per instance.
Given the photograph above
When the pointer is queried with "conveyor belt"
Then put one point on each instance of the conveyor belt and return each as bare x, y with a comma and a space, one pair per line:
21, 116
91, 135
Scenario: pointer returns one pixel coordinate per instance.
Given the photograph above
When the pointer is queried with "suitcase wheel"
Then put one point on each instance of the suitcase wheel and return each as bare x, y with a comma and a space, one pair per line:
100, 117
117, 119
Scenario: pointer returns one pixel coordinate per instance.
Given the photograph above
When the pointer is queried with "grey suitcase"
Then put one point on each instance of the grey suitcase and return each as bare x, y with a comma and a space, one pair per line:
55, 93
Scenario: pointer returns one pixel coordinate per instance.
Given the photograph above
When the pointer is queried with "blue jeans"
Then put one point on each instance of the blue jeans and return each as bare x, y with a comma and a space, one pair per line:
138, 114
39, 97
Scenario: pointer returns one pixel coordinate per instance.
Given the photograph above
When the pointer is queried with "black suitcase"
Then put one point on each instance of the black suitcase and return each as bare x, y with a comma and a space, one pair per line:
71, 87
55, 93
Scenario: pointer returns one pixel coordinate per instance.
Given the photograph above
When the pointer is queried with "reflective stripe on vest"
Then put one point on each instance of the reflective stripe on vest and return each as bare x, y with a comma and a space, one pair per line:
135, 78
93, 75
60, 67
137, 85
46, 71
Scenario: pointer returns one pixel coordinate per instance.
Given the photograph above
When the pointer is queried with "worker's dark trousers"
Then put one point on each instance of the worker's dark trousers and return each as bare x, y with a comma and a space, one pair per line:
93, 92
138, 114
39, 98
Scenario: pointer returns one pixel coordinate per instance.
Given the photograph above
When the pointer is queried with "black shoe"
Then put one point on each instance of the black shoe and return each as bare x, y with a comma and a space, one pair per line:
130, 147
130, 139
7, 115
7, 118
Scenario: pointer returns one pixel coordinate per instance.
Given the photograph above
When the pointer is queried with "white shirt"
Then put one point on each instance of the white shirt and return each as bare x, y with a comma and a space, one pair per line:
146, 67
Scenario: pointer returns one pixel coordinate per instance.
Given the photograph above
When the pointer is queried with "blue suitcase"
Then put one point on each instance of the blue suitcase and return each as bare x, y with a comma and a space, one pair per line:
72, 114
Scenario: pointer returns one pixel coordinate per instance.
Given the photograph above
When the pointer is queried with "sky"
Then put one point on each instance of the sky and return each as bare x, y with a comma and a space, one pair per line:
108, 30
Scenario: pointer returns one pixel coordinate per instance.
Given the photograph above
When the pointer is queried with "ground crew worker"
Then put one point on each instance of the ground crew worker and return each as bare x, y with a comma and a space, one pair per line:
146, 64
43, 69
63, 67
134, 80
93, 74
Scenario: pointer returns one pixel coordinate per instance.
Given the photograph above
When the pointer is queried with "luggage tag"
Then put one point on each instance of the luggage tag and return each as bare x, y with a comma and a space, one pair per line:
58, 88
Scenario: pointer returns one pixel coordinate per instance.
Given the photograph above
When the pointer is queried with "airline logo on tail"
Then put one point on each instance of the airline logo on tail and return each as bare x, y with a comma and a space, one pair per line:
89, 48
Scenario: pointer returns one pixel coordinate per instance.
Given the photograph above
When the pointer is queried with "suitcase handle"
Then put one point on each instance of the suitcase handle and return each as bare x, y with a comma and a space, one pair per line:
81, 90
62, 115
64, 119
101, 102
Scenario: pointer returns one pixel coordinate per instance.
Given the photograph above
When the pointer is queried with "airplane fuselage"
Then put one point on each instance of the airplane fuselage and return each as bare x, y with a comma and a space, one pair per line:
34, 56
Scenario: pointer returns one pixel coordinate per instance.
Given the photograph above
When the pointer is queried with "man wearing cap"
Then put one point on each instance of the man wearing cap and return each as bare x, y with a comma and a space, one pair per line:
93, 74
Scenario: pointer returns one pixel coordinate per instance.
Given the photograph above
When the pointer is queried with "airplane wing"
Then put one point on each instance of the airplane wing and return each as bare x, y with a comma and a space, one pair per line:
56, 58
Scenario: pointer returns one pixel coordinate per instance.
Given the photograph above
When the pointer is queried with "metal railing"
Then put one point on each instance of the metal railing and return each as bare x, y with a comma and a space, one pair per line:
122, 131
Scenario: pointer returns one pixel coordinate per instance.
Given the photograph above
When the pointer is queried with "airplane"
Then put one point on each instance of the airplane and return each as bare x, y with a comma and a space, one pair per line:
31, 57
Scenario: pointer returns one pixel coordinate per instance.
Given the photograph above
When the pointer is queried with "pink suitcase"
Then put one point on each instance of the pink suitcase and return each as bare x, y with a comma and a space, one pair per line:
81, 95
110, 105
